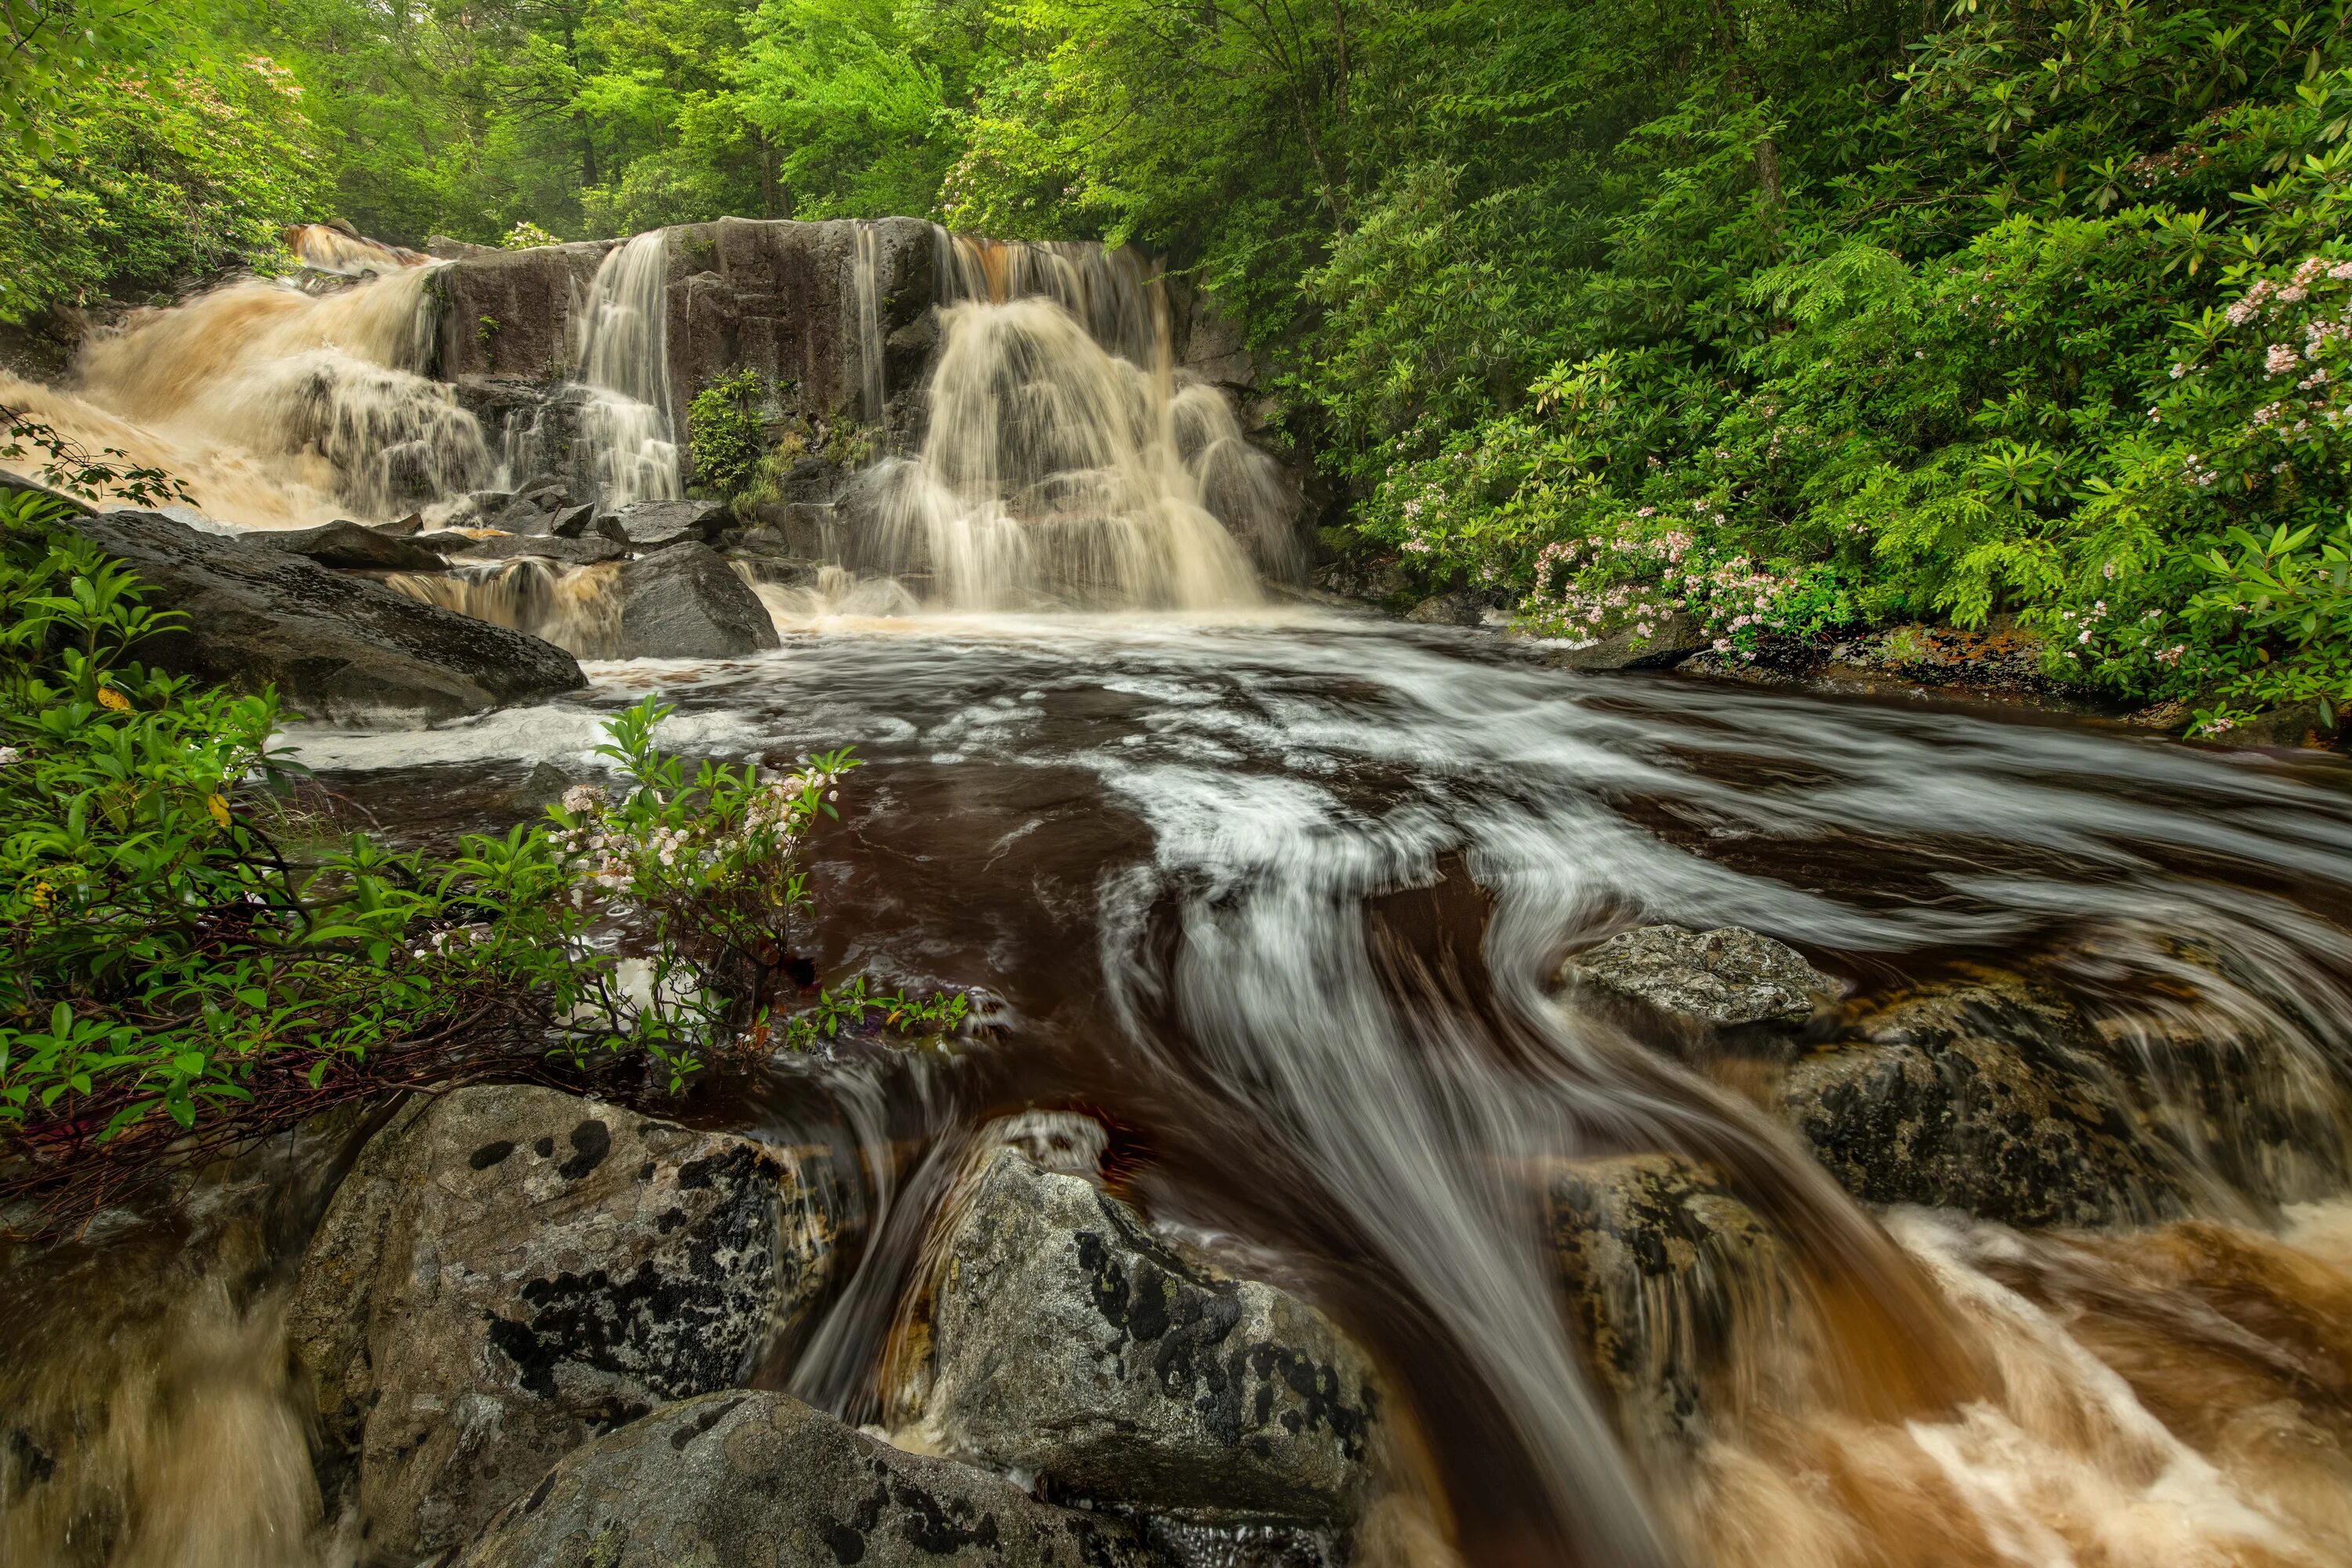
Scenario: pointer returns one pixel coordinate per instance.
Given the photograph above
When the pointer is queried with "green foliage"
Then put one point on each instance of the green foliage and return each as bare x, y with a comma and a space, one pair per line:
725, 432
164, 164
186, 959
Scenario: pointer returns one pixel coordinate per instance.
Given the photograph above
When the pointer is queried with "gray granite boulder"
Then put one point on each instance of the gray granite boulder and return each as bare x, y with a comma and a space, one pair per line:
1672, 639
351, 545
1988, 1094
1718, 979
761, 1480
507, 1271
658, 524
337, 647
686, 601
1068, 1342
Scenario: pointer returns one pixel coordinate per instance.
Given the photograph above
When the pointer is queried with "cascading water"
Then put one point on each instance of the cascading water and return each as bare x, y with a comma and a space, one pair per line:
1062, 464
277, 406
620, 349
1325, 870
865, 284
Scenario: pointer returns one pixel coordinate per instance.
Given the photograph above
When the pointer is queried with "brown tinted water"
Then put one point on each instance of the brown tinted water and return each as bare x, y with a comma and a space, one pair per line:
1281, 897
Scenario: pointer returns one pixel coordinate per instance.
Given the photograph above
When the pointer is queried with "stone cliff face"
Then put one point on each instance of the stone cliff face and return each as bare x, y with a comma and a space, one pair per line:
778, 297
775, 295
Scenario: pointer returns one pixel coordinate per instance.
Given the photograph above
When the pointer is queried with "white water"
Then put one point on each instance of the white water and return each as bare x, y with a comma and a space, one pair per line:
276, 406
620, 350
1266, 832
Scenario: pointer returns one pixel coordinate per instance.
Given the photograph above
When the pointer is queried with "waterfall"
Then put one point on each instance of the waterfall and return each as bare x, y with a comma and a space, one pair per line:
275, 405
866, 280
621, 351
1066, 464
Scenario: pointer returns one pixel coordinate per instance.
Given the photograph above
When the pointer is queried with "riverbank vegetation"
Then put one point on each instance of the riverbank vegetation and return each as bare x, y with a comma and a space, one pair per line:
1787, 315
194, 952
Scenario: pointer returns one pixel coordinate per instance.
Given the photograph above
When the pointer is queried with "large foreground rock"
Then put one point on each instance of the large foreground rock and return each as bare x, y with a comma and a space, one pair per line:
761, 1480
1070, 1344
1717, 979
337, 648
511, 1270
686, 601
1989, 1095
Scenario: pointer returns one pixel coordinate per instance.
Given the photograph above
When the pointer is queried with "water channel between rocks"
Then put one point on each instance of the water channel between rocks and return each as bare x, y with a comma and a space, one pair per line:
1282, 897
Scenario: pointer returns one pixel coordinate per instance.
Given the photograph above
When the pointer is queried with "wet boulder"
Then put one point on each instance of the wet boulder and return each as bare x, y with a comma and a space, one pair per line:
507, 1271
761, 1480
1067, 1341
1717, 979
337, 647
351, 545
1449, 610
1671, 639
1667, 1276
573, 520
1987, 1094
686, 601
658, 524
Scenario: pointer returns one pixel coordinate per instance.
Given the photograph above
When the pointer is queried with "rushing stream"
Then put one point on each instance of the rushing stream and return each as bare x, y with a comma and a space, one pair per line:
1283, 898
1280, 897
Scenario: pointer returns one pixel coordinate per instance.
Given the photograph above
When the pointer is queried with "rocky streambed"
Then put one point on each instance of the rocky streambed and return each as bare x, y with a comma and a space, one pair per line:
1426, 1106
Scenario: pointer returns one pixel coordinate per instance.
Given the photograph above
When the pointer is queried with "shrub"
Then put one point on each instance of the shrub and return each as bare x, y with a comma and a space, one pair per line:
724, 428
186, 962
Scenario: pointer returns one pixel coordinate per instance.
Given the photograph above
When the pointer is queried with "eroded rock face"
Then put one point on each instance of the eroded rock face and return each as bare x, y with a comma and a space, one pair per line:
1665, 1272
1069, 1342
337, 647
686, 601
1718, 979
511, 1270
1991, 1096
761, 1480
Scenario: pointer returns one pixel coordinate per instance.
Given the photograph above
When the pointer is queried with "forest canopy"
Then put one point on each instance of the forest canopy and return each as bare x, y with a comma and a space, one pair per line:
1783, 315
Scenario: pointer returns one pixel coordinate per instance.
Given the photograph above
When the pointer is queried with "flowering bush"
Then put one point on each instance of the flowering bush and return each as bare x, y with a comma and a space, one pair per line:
187, 960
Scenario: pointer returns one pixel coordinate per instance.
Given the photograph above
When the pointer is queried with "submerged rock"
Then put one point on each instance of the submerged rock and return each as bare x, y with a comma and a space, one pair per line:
1720, 978
761, 1480
1666, 1274
1989, 1095
337, 647
1067, 1341
686, 601
352, 545
511, 1270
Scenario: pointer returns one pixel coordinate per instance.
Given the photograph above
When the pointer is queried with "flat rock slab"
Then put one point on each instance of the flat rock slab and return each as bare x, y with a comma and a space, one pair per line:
761, 1480
1067, 1341
337, 648
686, 601
573, 552
349, 545
1719, 978
1989, 1095
511, 1270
